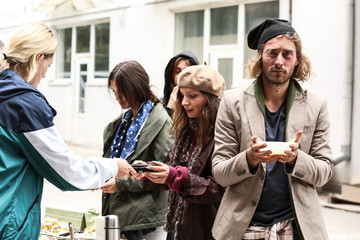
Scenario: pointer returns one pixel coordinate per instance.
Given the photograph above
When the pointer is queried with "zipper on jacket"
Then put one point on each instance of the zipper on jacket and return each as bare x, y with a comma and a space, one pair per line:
27, 214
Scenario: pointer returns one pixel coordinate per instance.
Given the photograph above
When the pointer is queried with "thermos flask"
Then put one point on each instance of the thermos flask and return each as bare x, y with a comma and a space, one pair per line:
112, 227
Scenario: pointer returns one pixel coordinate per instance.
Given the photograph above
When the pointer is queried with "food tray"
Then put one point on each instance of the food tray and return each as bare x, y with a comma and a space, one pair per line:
71, 234
54, 236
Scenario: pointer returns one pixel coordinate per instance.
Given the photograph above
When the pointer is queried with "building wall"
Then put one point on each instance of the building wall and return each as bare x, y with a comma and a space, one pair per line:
144, 31
134, 35
353, 166
326, 29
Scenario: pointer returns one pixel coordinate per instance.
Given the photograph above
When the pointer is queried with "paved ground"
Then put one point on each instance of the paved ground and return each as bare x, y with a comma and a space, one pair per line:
341, 224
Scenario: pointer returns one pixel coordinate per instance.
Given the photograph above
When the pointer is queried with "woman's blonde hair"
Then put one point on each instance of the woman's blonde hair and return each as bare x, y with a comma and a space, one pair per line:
302, 71
29, 40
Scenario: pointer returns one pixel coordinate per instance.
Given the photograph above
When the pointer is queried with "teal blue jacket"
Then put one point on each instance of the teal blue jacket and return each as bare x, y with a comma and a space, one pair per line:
31, 149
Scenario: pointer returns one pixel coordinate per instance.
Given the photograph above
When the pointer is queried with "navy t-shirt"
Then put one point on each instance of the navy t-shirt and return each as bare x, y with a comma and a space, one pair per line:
275, 204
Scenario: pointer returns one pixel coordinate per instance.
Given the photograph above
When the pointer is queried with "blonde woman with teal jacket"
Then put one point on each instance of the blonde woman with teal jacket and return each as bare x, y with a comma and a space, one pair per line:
31, 147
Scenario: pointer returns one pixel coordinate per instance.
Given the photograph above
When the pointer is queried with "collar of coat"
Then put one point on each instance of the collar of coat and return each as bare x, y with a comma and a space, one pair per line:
290, 96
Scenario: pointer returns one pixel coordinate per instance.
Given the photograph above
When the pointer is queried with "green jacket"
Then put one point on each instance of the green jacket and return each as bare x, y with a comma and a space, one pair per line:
137, 208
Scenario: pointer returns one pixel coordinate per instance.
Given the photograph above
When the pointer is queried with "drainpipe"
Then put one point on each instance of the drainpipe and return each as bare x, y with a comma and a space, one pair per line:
344, 155
346, 149
290, 11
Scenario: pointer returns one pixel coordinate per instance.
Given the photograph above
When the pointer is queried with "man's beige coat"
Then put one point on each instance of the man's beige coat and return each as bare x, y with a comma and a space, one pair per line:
240, 118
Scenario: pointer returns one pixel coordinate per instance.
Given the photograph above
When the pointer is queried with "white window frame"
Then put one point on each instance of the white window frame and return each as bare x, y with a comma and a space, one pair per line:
91, 81
235, 51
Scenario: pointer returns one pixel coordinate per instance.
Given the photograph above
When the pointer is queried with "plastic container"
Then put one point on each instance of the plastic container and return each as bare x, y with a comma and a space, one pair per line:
277, 148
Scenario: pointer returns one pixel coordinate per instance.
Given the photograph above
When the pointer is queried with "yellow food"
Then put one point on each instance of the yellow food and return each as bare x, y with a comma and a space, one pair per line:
277, 153
53, 226
90, 229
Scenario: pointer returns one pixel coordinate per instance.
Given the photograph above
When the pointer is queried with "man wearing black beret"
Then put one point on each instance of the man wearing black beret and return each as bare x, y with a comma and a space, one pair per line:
272, 195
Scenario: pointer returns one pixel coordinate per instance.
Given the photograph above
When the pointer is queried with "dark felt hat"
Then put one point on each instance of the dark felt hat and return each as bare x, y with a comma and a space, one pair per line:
267, 30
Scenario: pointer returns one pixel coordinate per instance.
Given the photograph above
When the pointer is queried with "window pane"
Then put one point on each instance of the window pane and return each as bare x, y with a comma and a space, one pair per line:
63, 59
254, 15
101, 50
83, 79
224, 25
189, 32
225, 67
83, 39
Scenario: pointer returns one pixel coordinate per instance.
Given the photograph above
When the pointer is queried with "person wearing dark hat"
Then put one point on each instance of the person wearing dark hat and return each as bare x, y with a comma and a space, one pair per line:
175, 65
272, 195
194, 194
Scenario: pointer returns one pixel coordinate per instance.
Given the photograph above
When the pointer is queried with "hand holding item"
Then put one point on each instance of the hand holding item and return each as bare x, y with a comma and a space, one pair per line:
125, 169
254, 154
291, 155
159, 174
136, 162
140, 167
109, 186
258, 151
173, 98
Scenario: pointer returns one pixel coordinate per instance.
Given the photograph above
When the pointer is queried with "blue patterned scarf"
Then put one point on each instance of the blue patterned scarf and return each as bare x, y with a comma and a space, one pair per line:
132, 135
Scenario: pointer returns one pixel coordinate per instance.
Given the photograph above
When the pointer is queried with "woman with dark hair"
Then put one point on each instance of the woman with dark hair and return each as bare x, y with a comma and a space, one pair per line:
142, 133
172, 71
194, 194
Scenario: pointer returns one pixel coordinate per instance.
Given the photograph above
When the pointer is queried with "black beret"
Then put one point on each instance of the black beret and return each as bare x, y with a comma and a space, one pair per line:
267, 30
